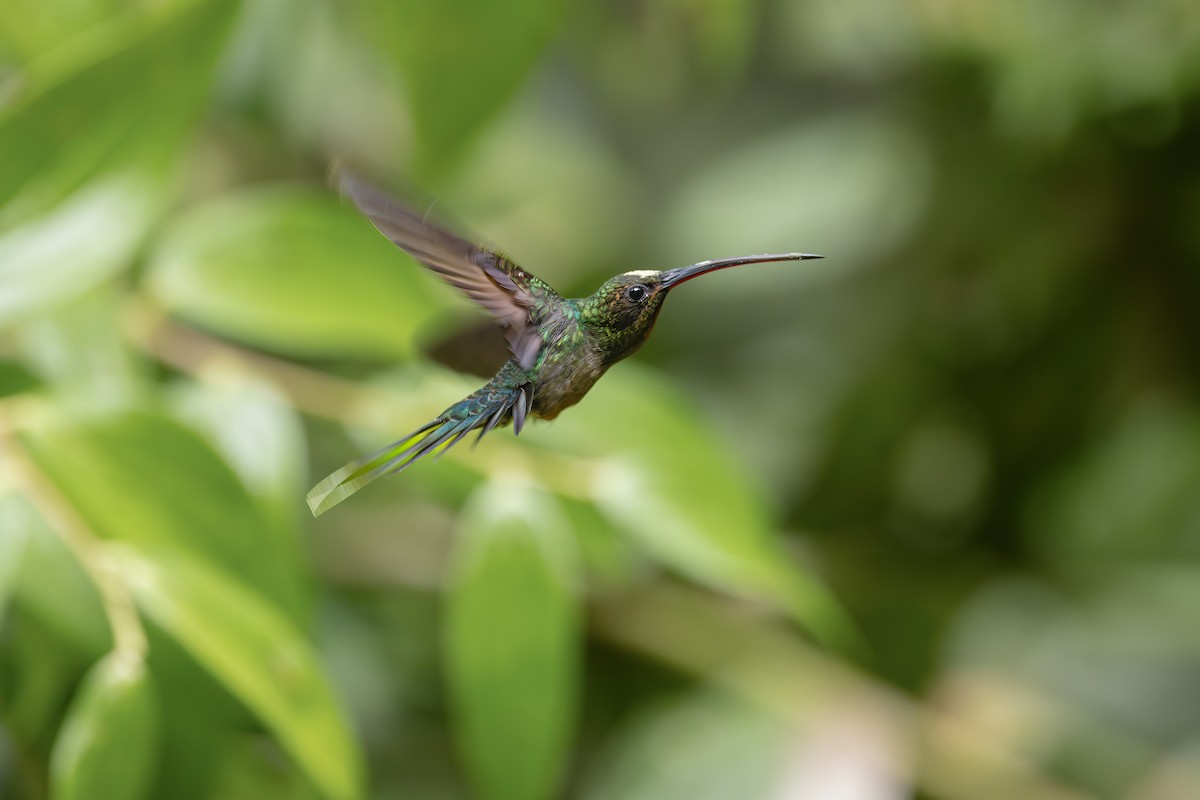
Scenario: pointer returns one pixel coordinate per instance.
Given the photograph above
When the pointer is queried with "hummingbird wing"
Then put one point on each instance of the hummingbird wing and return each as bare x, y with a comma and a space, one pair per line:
508, 292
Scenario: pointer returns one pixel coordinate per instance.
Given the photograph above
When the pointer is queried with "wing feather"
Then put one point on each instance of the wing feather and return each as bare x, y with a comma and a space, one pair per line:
505, 290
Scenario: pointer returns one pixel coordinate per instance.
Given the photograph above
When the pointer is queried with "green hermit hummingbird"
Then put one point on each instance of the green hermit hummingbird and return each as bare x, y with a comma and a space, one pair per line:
560, 346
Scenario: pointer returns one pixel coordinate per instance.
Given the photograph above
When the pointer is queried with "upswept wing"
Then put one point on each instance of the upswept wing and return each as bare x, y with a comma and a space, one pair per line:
508, 292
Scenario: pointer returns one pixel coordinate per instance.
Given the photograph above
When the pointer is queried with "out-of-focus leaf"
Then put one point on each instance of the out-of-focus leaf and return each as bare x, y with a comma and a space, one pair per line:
666, 483
707, 747
520, 189
38, 672
1055, 66
15, 378
201, 720
83, 242
107, 746
308, 63
86, 363
512, 642
52, 588
1134, 495
247, 770
257, 653
114, 116
149, 481
1120, 648
250, 423
805, 188
16, 520
462, 61
34, 27
293, 270
862, 37
712, 745
127, 97
609, 558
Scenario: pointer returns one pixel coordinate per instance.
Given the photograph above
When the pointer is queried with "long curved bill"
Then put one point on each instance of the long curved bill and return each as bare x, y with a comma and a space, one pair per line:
674, 277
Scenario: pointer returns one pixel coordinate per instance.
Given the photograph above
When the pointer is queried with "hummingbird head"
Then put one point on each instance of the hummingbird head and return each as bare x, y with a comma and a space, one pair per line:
622, 312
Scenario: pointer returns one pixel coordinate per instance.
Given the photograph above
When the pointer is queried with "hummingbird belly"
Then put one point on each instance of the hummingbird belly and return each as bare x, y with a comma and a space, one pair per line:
562, 382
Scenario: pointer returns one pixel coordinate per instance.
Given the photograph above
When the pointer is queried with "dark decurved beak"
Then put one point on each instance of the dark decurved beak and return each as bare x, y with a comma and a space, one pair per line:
674, 277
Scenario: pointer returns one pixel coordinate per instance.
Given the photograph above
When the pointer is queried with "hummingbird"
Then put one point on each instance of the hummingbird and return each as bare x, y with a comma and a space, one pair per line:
559, 346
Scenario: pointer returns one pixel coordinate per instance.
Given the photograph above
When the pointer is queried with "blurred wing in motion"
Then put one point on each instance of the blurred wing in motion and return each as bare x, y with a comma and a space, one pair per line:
508, 292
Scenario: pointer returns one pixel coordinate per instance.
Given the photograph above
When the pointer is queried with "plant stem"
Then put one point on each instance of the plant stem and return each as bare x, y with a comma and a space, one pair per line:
128, 634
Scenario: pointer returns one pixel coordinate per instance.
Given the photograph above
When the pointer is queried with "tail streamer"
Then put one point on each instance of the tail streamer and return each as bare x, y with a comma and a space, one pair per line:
485, 410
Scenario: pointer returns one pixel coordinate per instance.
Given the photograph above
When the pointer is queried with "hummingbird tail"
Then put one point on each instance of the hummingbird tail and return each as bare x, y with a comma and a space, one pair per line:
485, 409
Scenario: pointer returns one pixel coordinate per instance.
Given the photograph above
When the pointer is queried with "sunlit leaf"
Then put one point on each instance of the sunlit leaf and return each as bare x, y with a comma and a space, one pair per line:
293, 270
512, 642
149, 481
37, 26
257, 653
456, 82
108, 745
82, 243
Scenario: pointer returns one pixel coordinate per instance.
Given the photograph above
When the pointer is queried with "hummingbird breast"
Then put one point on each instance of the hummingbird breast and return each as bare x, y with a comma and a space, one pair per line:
562, 382
569, 367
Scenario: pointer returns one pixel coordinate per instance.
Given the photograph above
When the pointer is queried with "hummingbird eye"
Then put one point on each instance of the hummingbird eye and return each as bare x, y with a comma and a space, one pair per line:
637, 293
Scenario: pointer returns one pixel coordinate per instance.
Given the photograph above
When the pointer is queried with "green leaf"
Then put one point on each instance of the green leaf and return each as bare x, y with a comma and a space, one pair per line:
149, 481
852, 166
260, 436
1131, 496
34, 27
125, 96
108, 745
254, 651
717, 747
666, 483
51, 587
292, 270
39, 672
91, 144
82, 356
16, 378
85, 241
16, 521
456, 82
512, 642
245, 770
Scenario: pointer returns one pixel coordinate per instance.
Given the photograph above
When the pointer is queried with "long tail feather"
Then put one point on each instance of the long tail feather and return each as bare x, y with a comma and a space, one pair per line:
484, 410
347, 480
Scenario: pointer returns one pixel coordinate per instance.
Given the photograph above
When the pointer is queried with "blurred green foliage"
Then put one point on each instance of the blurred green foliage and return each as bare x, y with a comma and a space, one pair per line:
921, 519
